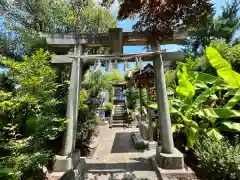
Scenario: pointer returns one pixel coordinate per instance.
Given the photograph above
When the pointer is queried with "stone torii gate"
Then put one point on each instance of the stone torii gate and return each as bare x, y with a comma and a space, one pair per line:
167, 156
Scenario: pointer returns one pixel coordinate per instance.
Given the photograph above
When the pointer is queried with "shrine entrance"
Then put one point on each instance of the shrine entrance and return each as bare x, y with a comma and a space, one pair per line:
119, 96
166, 156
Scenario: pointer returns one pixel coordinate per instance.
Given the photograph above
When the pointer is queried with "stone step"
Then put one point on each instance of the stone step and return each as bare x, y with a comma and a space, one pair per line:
117, 125
118, 120
119, 111
119, 115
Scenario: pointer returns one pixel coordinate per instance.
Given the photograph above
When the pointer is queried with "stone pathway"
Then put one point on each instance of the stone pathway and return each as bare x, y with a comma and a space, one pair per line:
117, 159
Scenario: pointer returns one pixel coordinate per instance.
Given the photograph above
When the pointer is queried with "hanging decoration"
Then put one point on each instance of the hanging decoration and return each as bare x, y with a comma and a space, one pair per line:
140, 64
110, 66
94, 65
137, 62
116, 63
98, 65
106, 66
125, 65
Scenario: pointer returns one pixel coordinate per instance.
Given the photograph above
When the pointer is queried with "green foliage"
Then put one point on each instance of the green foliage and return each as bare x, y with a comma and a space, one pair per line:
224, 26
132, 94
170, 78
29, 17
7, 83
95, 82
223, 67
221, 158
203, 104
29, 116
115, 77
108, 106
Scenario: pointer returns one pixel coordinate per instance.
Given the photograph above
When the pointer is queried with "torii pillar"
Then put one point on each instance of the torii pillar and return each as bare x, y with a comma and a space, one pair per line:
70, 157
167, 156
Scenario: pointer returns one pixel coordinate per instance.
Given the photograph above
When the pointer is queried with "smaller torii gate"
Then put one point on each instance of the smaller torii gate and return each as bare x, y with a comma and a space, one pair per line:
116, 39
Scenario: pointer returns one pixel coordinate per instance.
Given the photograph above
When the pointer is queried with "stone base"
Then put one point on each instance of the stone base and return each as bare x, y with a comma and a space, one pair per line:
172, 174
77, 173
169, 161
152, 145
65, 163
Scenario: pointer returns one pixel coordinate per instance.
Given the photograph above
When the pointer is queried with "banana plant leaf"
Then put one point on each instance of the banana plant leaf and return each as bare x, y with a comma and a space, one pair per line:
223, 67
176, 127
204, 96
192, 136
222, 113
230, 126
214, 133
185, 87
233, 101
206, 78
231, 92
152, 105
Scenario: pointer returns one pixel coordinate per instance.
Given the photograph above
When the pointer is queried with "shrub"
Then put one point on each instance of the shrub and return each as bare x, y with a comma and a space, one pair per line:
108, 106
221, 158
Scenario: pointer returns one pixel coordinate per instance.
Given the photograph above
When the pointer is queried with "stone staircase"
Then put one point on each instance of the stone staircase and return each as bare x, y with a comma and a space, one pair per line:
119, 116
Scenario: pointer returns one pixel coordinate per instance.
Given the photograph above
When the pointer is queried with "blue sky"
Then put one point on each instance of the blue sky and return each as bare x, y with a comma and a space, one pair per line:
127, 27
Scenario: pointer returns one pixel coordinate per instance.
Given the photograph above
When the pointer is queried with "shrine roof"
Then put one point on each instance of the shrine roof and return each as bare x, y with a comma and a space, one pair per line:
147, 69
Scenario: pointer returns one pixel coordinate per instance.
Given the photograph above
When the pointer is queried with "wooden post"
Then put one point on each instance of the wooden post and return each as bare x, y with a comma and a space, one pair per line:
163, 107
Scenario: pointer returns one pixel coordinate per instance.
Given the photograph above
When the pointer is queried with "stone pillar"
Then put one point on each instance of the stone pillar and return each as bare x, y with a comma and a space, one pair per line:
162, 101
70, 157
78, 51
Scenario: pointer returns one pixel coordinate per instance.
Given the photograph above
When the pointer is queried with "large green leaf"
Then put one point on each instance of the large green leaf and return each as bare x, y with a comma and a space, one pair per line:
206, 78
223, 67
185, 87
214, 133
188, 122
223, 113
230, 126
231, 92
192, 135
176, 127
233, 101
204, 96
152, 105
